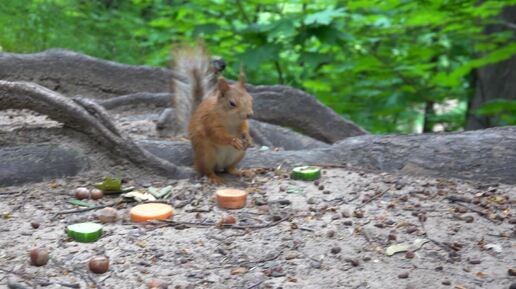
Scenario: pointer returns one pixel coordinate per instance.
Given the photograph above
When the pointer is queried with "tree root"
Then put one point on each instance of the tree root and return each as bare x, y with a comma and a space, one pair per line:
85, 116
114, 84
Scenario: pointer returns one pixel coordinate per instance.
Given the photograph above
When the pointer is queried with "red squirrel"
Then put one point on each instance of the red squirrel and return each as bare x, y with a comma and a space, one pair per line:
217, 116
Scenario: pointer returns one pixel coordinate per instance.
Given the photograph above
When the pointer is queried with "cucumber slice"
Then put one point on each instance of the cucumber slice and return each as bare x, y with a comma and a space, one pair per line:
85, 232
306, 173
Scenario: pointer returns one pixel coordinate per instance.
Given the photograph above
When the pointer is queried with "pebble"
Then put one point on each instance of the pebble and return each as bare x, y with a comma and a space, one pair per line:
513, 285
403, 275
469, 219
511, 272
347, 223
335, 250
284, 202
475, 261
391, 237
346, 213
358, 213
330, 233
411, 230
379, 225
291, 255
311, 201
410, 255
34, 225
321, 187
389, 222
315, 264
353, 262
446, 282
326, 192
335, 217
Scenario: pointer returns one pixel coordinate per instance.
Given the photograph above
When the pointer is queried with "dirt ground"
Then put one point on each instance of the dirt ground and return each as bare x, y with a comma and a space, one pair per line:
332, 233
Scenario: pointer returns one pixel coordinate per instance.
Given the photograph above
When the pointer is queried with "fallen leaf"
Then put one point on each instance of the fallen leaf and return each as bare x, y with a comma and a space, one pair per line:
397, 248
110, 185
81, 203
139, 196
294, 190
494, 247
239, 270
403, 247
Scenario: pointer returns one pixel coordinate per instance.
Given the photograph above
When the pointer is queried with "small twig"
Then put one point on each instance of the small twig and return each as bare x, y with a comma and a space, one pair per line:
10, 193
84, 210
69, 285
372, 199
261, 261
255, 285
439, 244
458, 201
227, 226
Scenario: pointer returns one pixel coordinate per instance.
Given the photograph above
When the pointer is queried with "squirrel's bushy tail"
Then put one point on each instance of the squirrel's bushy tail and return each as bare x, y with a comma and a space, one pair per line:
193, 81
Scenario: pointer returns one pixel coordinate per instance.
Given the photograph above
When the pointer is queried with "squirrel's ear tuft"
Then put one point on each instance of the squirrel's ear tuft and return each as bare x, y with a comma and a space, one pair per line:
241, 78
222, 85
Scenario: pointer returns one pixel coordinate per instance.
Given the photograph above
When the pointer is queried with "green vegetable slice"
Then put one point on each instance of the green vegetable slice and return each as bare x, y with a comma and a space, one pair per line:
85, 232
306, 173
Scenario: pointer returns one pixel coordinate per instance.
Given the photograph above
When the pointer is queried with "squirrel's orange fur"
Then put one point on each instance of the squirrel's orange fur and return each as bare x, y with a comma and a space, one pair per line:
219, 130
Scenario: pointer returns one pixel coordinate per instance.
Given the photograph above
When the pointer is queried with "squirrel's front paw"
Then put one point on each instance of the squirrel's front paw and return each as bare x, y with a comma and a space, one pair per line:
237, 144
248, 141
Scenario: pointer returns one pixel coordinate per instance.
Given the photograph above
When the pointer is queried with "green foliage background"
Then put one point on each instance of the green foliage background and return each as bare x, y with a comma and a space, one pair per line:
390, 65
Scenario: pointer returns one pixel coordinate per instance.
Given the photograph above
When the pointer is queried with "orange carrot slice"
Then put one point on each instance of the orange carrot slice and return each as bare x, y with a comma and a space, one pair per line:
231, 198
151, 211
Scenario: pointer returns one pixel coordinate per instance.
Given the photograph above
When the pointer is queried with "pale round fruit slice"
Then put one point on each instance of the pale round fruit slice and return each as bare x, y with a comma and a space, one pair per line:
85, 232
306, 173
151, 211
231, 198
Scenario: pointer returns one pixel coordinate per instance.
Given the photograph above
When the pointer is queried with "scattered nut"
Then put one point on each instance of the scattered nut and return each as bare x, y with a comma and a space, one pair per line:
82, 193
229, 219
410, 255
107, 215
99, 264
468, 219
157, 283
96, 194
38, 257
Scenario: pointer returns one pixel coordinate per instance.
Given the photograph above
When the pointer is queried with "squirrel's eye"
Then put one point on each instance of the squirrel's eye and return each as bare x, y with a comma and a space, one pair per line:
232, 103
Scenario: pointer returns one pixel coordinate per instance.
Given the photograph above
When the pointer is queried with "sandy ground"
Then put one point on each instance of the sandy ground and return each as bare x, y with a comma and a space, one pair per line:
332, 233
327, 234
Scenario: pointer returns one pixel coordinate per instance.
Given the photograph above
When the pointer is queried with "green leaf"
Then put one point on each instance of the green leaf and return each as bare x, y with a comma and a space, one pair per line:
81, 203
253, 57
453, 79
161, 193
323, 17
110, 185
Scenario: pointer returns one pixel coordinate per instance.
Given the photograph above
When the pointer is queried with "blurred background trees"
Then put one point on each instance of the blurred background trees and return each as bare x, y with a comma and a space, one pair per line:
394, 66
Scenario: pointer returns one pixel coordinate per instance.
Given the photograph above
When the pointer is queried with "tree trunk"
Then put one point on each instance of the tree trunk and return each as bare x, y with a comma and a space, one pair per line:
494, 81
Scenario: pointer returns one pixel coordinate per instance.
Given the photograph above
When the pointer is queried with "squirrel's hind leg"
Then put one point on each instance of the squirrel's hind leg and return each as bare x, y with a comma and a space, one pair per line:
205, 161
232, 170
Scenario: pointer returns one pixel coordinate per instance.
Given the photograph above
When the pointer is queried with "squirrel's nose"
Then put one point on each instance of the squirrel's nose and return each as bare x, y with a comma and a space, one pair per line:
249, 115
